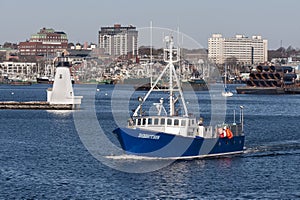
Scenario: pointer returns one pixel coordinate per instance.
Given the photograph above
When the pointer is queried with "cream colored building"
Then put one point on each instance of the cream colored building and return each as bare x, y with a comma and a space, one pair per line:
118, 40
245, 50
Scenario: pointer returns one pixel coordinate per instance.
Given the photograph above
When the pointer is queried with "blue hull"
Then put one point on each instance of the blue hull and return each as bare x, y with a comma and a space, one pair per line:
158, 144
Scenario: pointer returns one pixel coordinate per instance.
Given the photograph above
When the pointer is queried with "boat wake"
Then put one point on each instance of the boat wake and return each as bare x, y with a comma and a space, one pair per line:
274, 149
134, 157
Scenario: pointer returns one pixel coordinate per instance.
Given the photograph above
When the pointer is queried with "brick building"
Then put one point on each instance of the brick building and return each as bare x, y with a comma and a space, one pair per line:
45, 42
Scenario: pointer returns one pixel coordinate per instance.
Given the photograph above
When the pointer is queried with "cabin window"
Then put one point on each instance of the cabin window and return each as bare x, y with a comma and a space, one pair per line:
156, 121
176, 122
149, 121
139, 122
162, 121
130, 122
144, 121
190, 134
60, 76
169, 121
183, 122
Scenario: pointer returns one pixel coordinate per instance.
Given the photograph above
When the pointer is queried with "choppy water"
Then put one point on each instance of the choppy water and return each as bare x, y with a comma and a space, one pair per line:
42, 156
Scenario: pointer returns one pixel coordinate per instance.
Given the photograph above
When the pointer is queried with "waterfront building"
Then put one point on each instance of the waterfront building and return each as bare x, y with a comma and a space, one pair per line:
119, 40
244, 50
45, 42
18, 68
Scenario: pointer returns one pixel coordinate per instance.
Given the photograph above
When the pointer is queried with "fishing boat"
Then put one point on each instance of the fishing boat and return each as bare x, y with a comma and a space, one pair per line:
170, 134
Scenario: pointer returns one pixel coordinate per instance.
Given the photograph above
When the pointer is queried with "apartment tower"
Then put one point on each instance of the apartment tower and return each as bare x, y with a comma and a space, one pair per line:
119, 40
246, 51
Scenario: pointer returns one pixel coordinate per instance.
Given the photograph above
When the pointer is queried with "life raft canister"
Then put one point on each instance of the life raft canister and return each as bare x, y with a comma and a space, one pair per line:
229, 133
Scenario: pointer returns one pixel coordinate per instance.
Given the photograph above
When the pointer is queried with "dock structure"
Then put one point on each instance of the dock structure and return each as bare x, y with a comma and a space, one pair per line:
34, 105
271, 80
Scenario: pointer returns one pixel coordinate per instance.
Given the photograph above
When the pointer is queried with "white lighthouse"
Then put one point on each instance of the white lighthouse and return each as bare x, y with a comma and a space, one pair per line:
62, 92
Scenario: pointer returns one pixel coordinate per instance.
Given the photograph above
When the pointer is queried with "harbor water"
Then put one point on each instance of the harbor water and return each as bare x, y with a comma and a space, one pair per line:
43, 155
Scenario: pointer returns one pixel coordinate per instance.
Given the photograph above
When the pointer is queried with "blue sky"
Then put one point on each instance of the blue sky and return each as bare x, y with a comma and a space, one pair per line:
275, 20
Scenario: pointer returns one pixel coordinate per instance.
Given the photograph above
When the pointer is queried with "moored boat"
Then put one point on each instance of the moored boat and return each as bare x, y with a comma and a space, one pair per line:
49, 80
45, 80
196, 84
147, 87
19, 82
177, 135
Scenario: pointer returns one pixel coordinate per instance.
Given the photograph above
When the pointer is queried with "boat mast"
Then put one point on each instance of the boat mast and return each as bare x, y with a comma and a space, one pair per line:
225, 76
171, 55
172, 106
151, 54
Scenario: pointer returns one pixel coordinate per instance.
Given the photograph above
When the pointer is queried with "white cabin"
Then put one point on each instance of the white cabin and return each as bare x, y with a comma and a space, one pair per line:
184, 126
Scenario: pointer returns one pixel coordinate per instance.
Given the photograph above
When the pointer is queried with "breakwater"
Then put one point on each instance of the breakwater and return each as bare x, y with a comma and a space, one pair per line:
34, 105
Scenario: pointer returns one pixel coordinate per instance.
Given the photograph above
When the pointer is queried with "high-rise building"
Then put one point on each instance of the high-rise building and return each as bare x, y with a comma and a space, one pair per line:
45, 42
246, 51
118, 40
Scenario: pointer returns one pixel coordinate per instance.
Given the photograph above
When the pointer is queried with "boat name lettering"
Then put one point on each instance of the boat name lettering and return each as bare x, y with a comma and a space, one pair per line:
153, 137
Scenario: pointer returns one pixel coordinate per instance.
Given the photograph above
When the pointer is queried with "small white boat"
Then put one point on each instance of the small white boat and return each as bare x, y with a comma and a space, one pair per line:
227, 93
